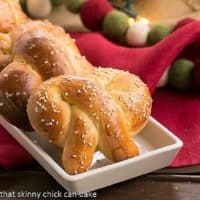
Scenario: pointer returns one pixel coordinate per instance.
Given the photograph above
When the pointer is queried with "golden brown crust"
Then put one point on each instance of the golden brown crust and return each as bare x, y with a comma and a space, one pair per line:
129, 92
11, 15
46, 51
17, 81
5, 50
48, 46
79, 114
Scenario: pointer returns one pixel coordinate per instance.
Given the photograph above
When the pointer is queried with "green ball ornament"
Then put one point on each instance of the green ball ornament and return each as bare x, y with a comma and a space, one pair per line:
115, 24
57, 2
158, 33
74, 5
180, 74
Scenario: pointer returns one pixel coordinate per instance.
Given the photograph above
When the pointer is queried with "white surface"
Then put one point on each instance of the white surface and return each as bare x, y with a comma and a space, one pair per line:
157, 145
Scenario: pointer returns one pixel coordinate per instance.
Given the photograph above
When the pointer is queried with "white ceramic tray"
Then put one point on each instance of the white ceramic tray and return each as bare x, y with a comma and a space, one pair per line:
158, 147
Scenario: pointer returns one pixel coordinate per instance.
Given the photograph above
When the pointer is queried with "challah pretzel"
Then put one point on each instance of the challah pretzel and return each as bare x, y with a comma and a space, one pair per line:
11, 16
40, 51
104, 109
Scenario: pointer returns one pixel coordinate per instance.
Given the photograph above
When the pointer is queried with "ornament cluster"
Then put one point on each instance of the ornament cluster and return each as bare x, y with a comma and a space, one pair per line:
118, 26
99, 15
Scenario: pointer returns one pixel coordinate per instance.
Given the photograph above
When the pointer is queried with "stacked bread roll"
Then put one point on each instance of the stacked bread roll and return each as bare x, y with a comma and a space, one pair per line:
50, 87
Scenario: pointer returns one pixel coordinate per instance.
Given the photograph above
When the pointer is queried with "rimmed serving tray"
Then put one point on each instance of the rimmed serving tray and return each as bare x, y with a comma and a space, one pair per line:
157, 145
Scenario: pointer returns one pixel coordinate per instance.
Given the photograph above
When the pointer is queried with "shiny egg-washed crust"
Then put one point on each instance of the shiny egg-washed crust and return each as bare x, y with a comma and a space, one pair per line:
40, 51
103, 110
11, 17
5, 50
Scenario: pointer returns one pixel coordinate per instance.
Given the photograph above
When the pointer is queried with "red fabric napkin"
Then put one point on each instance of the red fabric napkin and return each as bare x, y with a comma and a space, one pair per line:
178, 112
12, 155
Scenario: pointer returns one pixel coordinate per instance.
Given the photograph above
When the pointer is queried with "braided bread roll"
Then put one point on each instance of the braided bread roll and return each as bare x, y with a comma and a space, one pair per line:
11, 16
40, 51
104, 109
